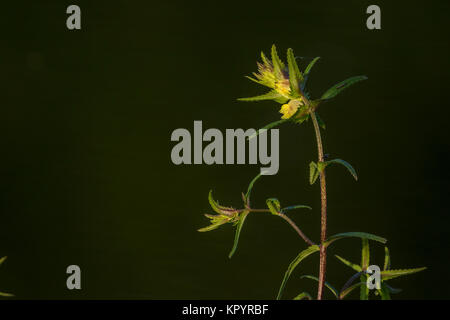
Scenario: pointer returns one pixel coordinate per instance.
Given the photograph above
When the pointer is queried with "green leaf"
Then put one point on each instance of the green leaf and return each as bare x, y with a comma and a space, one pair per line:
301, 256
241, 221
303, 295
337, 88
212, 226
250, 187
313, 172
271, 95
391, 289
392, 274
310, 65
295, 207
269, 126
345, 164
365, 254
349, 264
364, 290
362, 235
350, 289
215, 205
384, 292
329, 286
3, 259
278, 65
308, 70
295, 76
387, 259
273, 205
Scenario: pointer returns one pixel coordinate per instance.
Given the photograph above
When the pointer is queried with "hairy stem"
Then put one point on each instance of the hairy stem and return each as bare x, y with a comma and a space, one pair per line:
323, 211
300, 233
292, 223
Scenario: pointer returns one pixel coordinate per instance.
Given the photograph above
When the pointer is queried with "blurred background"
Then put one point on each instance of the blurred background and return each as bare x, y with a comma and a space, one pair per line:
86, 176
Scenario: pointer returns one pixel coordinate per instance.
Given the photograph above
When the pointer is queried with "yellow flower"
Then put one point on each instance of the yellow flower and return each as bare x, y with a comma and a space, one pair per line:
289, 109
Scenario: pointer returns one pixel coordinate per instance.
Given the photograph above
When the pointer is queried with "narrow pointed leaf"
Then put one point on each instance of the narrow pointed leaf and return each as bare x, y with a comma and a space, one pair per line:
295, 207
295, 76
364, 289
354, 266
329, 286
387, 259
392, 274
365, 254
338, 88
350, 289
362, 235
301, 256
278, 65
218, 208
392, 290
303, 295
307, 71
250, 187
269, 126
271, 95
242, 218
384, 292
310, 65
212, 226
345, 164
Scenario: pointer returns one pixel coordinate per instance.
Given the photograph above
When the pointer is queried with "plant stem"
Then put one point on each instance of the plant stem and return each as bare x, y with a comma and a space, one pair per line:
323, 211
300, 233
286, 218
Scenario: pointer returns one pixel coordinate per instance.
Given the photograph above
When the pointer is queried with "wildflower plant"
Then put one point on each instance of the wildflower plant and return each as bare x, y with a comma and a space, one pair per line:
287, 86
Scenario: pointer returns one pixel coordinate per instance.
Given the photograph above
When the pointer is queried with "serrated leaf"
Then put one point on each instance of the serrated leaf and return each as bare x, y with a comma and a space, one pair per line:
313, 172
241, 221
216, 207
295, 76
295, 207
362, 235
329, 286
395, 273
303, 295
387, 259
350, 289
365, 254
345, 164
274, 205
271, 95
250, 187
278, 65
354, 266
212, 226
339, 87
301, 256
269, 126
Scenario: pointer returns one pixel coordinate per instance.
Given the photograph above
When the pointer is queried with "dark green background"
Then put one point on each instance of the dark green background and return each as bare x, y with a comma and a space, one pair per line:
86, 176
